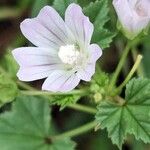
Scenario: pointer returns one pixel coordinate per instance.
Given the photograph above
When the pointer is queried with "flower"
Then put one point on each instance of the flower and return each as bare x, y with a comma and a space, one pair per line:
63, 53
134, 15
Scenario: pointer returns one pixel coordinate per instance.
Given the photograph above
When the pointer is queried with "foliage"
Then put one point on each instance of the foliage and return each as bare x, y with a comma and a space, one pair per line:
9, 64
98, 12
8, 89
28, 126
130, 118
64, 101
61, 5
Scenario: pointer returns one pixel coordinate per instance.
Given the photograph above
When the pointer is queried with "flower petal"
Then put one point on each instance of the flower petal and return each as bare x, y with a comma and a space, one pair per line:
36, 63
49, 17
36, 72
46, 30
79, 24
95, 52
86, 73
33, 56
125, 13
61, 81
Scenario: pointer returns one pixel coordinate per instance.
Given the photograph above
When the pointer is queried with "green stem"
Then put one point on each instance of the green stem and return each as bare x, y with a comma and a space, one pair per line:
120, 65
83, 108
34, 92
140, 71
134, 68
76, 132
25, 86
46, 94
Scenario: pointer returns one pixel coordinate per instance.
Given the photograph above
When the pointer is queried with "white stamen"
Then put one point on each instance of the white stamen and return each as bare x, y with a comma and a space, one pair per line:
68, 54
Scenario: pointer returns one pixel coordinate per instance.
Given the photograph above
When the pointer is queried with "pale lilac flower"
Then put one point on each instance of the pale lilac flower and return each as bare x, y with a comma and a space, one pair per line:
63, 53
134, 15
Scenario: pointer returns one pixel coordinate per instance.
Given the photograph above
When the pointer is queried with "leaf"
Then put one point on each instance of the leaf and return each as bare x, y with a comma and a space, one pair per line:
28, 127
61, 5
9, 64
103, 37
100, 81
131, 118
8, 89
37, 6
64, 101
98, 14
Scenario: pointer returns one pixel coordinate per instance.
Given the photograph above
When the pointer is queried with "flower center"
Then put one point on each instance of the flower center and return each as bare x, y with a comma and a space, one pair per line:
69, 54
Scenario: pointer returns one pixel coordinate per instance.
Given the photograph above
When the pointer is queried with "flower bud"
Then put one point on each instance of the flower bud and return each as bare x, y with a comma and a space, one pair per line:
134, 16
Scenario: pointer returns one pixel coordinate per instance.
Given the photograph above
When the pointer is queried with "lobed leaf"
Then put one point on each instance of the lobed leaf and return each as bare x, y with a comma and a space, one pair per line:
98, 13
28, 127
131, 118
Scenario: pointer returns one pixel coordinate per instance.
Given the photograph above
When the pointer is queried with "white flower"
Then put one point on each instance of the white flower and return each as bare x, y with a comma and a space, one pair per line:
134, 15
63, 53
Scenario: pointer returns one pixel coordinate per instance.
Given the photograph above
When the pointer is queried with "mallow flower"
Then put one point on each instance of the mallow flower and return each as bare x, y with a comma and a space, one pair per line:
62, 53
134, 15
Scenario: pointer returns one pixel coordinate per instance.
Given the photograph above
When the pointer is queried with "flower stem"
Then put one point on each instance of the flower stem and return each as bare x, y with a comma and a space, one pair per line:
120, 65
134, 68
140, 71
25, 86
35, 92
76, 132
83, 108
79, 107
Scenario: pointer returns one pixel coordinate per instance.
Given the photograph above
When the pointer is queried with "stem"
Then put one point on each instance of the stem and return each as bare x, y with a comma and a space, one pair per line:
34, 92
120, 65
134, 68
25, 86
46, 94
83, 108
140, 68
76, 132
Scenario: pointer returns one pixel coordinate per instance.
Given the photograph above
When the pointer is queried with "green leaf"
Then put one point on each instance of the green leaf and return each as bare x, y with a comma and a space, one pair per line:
131, 118
100, 81
9, 64
98, 13
103, 37
28, 127
37, 6
61, 5
64, 101
8, 89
